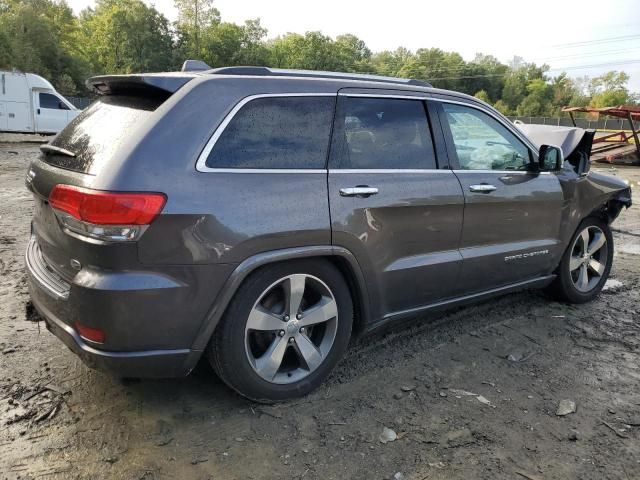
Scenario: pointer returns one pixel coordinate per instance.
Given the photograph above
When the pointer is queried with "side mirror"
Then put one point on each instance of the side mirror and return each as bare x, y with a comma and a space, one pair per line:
550, 158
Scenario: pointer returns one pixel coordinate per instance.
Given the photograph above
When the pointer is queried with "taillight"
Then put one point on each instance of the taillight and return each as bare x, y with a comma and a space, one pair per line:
89, 333
109, 216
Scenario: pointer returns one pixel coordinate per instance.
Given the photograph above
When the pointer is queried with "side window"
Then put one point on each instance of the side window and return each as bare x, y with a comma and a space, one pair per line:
483, 143
48, 100
381, 133
276, 132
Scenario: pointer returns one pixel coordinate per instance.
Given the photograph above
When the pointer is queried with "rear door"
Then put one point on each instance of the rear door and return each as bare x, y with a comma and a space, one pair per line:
51, 112
390, 203
512, 215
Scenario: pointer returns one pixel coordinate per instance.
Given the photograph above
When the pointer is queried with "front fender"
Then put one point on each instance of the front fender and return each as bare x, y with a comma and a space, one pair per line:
589, 194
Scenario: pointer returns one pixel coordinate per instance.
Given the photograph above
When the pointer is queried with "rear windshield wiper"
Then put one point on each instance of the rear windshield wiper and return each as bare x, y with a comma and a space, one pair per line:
53, 150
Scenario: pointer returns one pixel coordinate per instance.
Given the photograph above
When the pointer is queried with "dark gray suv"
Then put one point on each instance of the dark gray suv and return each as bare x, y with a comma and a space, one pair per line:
263, 217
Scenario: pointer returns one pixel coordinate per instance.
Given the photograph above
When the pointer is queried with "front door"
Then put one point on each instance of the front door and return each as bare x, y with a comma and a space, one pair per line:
391, 206
512, 214
51, 113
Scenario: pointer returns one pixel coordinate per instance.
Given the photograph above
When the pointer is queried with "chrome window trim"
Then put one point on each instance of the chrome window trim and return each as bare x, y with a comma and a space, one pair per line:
501, 172
507, 125
390, 170
201, 163
265, 170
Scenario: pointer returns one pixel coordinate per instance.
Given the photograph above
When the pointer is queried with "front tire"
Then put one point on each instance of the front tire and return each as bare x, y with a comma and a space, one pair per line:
586, 264
284, 331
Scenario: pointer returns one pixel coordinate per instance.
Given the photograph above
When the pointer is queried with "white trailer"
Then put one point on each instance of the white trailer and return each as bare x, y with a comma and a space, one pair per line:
30, 104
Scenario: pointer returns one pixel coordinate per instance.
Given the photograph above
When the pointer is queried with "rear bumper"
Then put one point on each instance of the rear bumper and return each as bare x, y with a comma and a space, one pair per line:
62, 303
146, 364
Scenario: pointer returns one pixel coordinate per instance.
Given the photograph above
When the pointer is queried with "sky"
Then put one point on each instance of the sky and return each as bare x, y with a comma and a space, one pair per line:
581, 37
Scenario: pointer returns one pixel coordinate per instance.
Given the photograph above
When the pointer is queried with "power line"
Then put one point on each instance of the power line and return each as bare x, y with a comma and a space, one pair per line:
575, 44
457, 67
578, 67
582, 55
596, 41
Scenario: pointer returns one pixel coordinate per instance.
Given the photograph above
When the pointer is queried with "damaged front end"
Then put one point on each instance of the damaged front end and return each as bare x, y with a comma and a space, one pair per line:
587, 193
574, 142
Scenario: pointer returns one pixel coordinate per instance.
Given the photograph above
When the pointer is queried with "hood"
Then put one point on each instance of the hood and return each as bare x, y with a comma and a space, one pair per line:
567, 138
574, 142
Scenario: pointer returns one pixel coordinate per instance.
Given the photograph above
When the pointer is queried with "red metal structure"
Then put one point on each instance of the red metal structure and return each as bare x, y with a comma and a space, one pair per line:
614, 146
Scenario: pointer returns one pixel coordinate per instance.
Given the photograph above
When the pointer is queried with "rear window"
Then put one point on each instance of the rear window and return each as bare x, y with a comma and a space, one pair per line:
99, 130
276, 132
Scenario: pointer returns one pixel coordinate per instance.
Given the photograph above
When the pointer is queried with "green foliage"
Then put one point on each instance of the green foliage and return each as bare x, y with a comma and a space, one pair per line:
38, 36
502, 107
65, 85
124, 36
609, 90
311, 51
196, 18
483, 95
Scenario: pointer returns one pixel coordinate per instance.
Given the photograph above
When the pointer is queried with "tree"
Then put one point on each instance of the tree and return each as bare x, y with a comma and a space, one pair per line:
440, 68
65, 85
253, 48
609, 90
311, 51
517, 82
491, 76
39, 36
124, 36
538, 99
223, 44
502, 107
195, 19
483, 95
352, 54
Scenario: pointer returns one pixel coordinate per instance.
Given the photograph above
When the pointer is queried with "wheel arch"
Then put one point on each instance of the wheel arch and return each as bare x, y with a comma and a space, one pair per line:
340, 257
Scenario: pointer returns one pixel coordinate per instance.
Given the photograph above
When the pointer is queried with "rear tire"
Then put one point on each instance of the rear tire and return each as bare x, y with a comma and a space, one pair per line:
284, 331
586, 263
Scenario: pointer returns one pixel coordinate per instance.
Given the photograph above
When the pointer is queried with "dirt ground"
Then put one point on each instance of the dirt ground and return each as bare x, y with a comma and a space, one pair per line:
469, 395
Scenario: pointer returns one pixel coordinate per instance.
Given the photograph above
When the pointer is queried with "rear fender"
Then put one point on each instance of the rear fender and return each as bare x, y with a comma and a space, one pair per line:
244, 269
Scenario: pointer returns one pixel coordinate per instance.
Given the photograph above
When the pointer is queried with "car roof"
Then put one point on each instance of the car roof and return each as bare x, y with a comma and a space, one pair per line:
172, 81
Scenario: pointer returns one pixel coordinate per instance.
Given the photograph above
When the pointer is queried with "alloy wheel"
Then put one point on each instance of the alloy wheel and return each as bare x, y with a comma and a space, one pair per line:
291, 328
589, 257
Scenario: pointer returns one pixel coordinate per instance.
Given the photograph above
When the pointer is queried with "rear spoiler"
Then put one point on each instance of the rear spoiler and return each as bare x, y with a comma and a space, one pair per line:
149, 83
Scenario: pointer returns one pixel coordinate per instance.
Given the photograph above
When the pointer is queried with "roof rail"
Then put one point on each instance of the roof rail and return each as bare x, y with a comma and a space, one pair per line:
279, 72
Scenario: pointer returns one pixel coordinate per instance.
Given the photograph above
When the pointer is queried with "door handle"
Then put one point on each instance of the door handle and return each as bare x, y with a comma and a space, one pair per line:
482, 188
359, 191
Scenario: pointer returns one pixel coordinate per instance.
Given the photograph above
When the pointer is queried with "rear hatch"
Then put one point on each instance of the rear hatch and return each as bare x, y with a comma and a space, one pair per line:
86, 149
88, 143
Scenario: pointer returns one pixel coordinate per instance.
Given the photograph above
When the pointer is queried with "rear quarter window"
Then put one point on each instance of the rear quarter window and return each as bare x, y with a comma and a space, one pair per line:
96, 134
276, 132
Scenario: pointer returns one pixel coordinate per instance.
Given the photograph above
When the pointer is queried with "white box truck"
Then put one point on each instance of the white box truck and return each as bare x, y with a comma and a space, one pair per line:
30, 104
